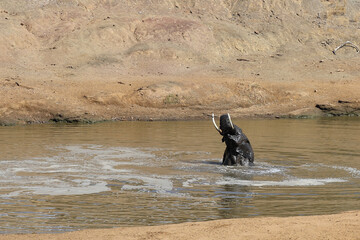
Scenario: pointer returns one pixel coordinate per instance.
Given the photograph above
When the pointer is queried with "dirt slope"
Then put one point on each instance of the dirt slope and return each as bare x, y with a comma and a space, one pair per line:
75, 60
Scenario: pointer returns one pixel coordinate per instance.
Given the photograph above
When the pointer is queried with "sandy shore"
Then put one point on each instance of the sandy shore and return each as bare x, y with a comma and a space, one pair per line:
337, 226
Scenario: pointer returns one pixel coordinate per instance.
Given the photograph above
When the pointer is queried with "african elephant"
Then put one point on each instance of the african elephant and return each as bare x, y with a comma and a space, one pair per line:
238, 148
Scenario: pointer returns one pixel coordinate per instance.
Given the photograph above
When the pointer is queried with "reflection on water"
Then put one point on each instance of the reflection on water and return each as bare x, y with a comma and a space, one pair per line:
57, 178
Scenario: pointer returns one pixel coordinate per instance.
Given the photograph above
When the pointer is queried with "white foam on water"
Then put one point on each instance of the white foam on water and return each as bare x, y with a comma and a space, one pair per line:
260, 169
155, 183
256, 171
131, 187
353, 171
88, 166
285, 183
77, 188
189, 183
85, 169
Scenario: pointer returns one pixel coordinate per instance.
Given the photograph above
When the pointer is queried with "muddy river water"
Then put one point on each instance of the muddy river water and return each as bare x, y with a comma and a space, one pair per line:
56, 178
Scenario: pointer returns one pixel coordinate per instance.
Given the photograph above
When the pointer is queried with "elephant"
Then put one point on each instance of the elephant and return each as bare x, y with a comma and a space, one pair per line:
238, 149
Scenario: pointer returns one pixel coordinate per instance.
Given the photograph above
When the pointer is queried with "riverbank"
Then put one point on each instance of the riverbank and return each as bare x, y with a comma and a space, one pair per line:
140, 98
337, 226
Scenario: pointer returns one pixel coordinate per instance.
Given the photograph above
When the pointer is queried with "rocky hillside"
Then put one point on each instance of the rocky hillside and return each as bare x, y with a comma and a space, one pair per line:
169, 37
98, 40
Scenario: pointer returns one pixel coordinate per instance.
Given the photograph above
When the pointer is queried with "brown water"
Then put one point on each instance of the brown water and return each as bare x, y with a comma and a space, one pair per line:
56, 178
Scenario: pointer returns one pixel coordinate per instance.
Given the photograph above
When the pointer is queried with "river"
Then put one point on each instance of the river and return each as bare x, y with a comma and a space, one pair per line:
66, 177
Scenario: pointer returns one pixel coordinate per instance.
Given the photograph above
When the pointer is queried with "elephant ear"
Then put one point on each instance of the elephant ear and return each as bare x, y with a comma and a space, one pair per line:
226, 124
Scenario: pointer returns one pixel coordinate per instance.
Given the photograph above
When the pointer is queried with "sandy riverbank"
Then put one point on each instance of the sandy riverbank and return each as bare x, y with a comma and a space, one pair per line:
175, 99
337, 226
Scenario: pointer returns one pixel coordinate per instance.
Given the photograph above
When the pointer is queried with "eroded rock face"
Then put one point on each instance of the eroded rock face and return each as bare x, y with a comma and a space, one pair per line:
341, 108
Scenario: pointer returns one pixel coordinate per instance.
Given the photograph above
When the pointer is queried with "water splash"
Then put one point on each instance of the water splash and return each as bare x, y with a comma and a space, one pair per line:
287, 183
86, 169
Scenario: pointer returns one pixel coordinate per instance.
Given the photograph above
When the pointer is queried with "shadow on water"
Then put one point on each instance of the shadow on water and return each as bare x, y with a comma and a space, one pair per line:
65, 177
210, 162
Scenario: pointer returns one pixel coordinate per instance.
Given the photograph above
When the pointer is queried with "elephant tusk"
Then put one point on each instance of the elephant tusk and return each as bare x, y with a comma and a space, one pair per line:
213, 120
347, 43
232, 126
